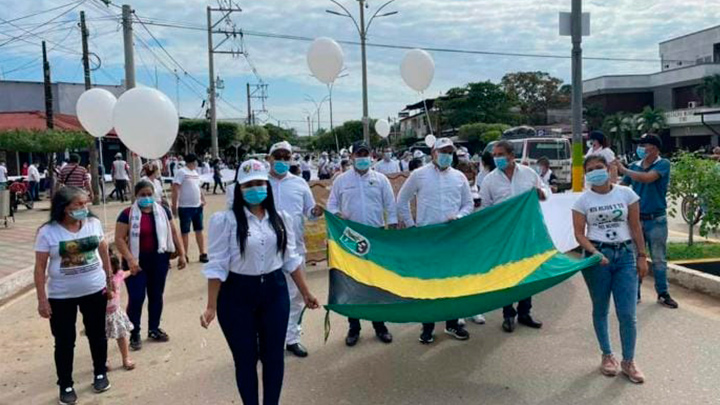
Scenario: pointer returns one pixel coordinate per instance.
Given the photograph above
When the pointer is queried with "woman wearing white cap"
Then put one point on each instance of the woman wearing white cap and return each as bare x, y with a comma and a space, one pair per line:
250, 246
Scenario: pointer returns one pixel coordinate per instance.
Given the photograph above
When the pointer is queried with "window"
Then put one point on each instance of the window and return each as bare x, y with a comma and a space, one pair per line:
716, 53
559, 150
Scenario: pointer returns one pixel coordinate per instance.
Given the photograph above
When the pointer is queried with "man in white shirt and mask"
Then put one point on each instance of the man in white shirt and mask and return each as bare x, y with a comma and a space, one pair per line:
364, 196
508, 180
387, 165
292, 195
443, 195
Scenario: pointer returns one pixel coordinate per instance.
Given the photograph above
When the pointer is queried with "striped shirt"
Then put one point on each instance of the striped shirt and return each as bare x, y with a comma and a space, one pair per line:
73, 175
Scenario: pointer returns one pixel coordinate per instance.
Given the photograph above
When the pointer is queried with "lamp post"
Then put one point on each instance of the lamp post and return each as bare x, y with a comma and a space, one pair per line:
362, 31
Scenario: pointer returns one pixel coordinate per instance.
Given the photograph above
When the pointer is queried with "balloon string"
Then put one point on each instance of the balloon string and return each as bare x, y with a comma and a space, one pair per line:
427, 113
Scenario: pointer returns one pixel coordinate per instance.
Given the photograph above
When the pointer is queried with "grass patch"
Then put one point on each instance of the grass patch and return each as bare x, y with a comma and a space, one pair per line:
681, 251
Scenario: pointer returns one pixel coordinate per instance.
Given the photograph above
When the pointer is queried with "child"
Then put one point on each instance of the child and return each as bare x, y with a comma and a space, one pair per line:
117, 323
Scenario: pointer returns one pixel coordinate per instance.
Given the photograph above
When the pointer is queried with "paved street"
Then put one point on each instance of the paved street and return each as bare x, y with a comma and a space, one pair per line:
557, 365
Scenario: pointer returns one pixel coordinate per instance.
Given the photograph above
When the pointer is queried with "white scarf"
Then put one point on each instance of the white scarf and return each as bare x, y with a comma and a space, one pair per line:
162, 229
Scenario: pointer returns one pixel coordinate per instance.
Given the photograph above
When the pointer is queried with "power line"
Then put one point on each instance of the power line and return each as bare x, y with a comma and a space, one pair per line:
41, 12
27, 65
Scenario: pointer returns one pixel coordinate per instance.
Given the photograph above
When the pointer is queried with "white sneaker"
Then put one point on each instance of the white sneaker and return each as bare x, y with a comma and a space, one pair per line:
479, 319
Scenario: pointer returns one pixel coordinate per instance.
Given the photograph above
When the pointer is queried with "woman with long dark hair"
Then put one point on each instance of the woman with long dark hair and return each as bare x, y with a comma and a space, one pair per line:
72, 271
250, 246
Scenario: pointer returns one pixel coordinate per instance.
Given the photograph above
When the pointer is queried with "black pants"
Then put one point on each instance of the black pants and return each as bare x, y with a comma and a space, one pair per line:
218, 182
253, 314
523, 309
120, 186
355, 326
150, 281
34, 189
62, 325
430, 327
306, 175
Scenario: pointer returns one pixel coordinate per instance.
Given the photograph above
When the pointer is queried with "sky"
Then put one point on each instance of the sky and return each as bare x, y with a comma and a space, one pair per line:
619, 29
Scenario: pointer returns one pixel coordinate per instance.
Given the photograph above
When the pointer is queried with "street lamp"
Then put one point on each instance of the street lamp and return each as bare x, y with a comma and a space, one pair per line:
362, 30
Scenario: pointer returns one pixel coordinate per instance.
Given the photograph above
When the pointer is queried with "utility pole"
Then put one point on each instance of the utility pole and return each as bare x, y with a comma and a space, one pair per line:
309, 128
363, 37
249, 105
49, 122
211, 90
577, 101
94, 168
129, 79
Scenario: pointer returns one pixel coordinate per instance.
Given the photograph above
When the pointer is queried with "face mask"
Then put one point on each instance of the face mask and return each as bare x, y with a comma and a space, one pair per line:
281, 167
444, 160
590, 144
362, 163
144, 202
597, 177
641, 152
501, 162
387, 155
538, 169
255, 195
79, 214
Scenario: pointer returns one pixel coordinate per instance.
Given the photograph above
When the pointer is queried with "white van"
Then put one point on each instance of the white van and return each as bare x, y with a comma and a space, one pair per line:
557, 150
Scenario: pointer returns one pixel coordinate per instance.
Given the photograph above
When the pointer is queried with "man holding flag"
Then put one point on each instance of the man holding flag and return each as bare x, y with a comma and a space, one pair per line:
443, 195
509, 180
366, 197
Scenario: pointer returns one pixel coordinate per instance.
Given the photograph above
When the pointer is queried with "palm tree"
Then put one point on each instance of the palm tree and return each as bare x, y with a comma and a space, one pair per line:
651, 120
709, 89
614, 126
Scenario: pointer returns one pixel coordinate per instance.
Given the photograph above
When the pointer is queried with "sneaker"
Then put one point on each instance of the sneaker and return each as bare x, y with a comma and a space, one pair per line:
352, 338
101, 383
135, 342
426, 338
632, 372
158, 335
67, 396
458, 333
204, 258
479, 319
461, 322
667, 301
609, 365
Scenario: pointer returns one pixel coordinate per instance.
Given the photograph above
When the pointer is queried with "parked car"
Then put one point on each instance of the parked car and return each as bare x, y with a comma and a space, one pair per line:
557, 150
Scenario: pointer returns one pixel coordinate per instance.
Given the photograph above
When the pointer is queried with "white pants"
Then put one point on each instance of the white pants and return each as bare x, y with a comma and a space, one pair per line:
297, 303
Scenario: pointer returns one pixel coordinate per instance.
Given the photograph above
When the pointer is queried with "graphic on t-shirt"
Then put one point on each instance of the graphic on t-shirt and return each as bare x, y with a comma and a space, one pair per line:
78, 256
608, 218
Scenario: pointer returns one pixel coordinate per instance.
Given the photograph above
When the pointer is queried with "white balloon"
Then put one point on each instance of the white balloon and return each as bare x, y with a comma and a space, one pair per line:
417, 69
325, 59
430, 140
382, 128
95, 111
146, 121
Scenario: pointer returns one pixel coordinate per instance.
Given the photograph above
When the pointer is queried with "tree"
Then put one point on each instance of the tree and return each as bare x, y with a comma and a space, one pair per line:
709, 90
257, 138
475, 102
534, 93
478, 135
695, 183
594, 115
194, 135
616, 129
347, 133
651, 120
278, 134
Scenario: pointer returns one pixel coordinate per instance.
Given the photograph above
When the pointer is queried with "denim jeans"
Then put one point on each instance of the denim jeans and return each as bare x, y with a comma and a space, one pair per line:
655, 232
620, 279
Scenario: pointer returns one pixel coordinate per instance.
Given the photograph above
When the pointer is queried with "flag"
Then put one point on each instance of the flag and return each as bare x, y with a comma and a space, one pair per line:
465, 267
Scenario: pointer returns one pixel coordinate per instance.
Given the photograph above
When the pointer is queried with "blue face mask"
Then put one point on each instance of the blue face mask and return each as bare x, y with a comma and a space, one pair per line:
501, 162
362, 163
255, 195
444, 160
144, 202
597, 177
641, 152
79, 214
281, 167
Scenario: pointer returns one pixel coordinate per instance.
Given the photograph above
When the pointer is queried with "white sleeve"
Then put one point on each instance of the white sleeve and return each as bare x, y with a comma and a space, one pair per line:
41, 241
609, 155
539, 183
98, 227
291, 259
219, 237
485, 196
389, 202
179, 177
630, 196
308, 201
579, 205
467, 205
333, 204
407, 192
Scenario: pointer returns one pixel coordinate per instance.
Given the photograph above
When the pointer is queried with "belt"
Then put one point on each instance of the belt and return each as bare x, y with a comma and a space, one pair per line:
260, 277
611, 245
650, 217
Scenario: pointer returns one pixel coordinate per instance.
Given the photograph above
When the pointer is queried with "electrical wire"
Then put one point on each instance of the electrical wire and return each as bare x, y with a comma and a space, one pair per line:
29, 32
27, 65
41, 12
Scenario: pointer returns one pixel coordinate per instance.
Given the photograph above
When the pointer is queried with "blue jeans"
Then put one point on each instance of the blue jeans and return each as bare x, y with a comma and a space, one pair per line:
149, 282
620, 279
655, 232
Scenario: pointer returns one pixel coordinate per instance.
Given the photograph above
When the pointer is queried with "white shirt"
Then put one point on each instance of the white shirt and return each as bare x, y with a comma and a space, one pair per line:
75, 268
304, 166
606, 215
189, 181
292, 195
119, 170
363, 198
3, 174
389, 167
158, 192
33, 173
496, 187
607, 153
261, 254
441, 196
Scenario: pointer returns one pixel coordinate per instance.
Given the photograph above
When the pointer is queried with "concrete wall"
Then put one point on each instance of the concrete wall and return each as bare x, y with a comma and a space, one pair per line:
30, 96
689, 49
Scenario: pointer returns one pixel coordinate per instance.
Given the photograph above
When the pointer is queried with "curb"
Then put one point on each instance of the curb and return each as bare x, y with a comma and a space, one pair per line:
694, 280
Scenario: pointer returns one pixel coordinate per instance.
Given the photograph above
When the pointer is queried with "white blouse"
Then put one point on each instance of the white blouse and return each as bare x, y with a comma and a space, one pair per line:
261, 254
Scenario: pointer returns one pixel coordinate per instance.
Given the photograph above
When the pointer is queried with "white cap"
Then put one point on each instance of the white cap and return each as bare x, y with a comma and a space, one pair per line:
443, 143
462, 152
118, 155
284, 145
418, 154
251, 170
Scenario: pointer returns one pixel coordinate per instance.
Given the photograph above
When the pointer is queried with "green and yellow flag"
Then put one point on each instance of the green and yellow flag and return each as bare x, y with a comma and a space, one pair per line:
454, 270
